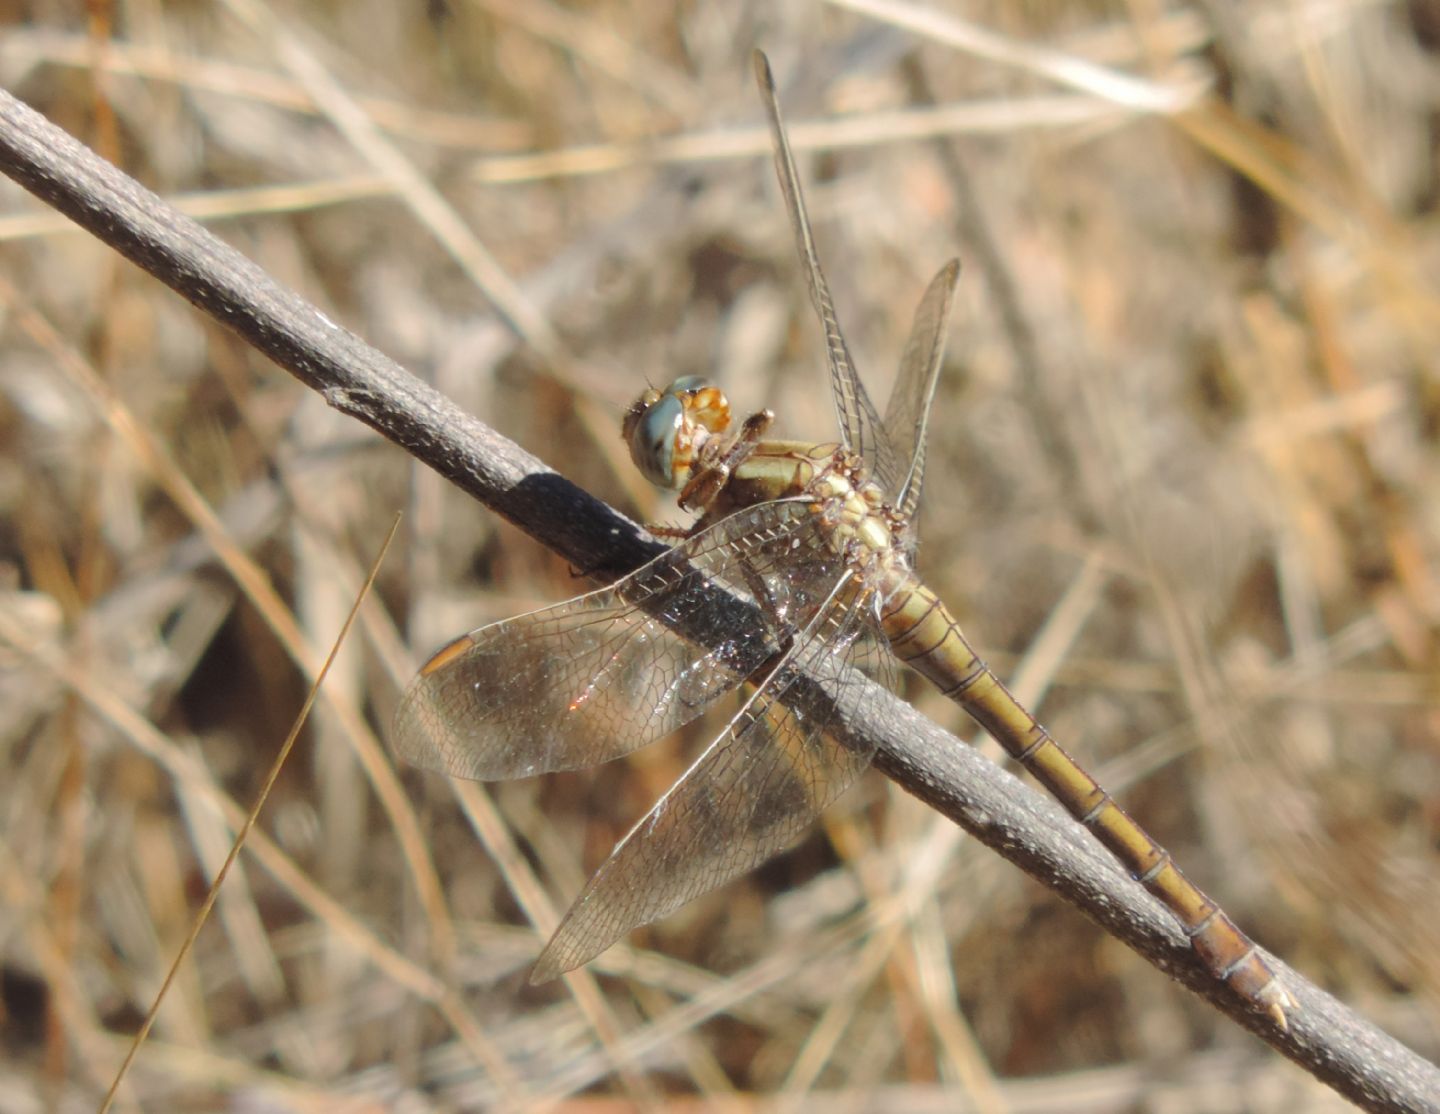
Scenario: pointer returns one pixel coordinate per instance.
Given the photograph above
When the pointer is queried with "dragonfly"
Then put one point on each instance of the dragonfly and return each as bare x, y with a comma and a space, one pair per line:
813, 547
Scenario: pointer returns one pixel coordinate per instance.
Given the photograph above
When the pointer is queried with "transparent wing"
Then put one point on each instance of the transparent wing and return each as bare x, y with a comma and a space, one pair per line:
595, 677
859, 421
756, 788
908, 411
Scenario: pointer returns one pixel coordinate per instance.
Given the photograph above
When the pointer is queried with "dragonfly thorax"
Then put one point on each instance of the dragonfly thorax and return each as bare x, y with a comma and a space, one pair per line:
861, 525
679, 439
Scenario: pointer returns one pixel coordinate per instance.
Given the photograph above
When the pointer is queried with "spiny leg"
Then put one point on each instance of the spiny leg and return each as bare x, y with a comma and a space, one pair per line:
712, 475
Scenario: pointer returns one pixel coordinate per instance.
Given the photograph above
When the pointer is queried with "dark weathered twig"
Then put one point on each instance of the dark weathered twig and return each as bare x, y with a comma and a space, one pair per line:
1325, 1037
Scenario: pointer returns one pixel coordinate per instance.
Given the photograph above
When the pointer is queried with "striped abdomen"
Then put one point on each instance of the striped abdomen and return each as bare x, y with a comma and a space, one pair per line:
924, 636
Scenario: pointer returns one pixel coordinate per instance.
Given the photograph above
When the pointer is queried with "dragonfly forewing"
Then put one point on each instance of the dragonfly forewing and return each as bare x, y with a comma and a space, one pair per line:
755, 790
596, 677
859, 421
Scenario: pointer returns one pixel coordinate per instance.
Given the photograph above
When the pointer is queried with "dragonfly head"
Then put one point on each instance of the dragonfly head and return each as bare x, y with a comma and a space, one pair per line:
665, 429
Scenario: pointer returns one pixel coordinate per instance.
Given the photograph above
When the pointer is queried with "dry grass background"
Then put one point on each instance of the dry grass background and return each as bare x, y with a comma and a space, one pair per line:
1183, 471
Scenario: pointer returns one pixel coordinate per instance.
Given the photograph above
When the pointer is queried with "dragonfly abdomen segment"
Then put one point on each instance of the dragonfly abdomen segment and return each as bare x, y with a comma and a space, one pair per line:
926, 637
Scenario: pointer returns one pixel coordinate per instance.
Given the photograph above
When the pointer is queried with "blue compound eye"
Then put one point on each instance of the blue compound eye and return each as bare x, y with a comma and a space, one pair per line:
687, 384
653, 435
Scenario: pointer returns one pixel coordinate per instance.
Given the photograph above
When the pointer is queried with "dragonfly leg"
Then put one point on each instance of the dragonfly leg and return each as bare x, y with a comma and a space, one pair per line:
713, 474
765, 600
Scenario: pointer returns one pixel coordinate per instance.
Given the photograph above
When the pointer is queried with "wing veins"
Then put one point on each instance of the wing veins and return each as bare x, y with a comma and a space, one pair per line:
859, 420
597, 676
907, 414
695, 837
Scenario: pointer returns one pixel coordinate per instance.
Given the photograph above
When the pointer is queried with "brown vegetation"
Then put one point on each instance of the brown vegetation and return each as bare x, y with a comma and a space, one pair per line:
1182, 482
